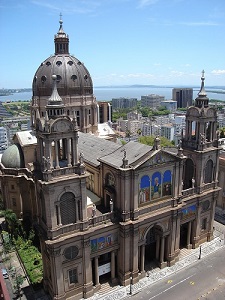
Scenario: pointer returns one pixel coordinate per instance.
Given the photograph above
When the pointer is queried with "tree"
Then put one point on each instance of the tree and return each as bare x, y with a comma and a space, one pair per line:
13, 224
149, 140
19, 280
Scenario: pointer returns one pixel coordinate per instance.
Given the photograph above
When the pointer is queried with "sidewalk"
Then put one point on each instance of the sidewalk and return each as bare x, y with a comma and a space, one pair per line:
207, 248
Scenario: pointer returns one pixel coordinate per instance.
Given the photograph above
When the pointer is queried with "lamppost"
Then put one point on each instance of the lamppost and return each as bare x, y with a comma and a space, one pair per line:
200, 252
131, 285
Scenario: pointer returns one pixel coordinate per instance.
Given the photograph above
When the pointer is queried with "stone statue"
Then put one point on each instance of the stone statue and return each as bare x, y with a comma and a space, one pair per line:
81, 158
93, 210
193, 182
111, 205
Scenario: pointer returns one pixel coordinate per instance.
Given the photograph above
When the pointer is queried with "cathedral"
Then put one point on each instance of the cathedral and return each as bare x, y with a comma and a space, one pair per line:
106, 212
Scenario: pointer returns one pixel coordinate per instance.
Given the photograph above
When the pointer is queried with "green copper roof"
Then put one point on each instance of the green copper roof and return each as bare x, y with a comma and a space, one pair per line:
13, 157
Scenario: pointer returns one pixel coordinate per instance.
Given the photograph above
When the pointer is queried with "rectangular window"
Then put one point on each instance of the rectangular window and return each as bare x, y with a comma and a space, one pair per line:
73, 276
12, 186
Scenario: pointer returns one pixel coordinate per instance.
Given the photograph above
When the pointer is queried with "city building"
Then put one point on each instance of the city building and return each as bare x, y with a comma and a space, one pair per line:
123, 102
3, 112
167, 131
183, 97
106, 212
170, 105
134, 115
3, 139
133, 126
152, 101
104, 112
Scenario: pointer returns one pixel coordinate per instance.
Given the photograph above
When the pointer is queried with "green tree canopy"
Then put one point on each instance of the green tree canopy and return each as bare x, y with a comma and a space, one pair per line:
149, 140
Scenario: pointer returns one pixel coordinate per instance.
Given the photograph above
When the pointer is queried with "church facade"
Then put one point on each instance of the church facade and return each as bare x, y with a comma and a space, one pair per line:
106, 212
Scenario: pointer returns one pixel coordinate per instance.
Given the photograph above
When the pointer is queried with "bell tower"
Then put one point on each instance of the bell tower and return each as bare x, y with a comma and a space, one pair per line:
200, 142
60, 170
200, 146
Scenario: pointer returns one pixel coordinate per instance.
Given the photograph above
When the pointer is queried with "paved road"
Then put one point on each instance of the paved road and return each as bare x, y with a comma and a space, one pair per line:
203, 280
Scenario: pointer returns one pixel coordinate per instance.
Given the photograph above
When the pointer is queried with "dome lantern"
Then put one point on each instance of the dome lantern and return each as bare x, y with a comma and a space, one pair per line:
61, 40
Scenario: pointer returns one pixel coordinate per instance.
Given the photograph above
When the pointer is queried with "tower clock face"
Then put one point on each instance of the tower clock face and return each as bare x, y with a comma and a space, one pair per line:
194, 112
62, 126
210, 113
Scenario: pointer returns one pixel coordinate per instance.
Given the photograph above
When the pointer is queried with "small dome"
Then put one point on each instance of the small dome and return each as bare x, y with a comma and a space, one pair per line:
13, 157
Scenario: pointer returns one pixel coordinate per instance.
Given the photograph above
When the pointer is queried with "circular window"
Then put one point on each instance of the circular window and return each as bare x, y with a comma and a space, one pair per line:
58, 78
205, 205
48, 63
74, 77
71, 252
58, 63
70, 62
85, 77
43, 78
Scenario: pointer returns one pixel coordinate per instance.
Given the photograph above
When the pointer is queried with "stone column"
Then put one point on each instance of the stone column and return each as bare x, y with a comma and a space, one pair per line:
162, 249
142, 258
77, 207
68, 153
189, 235
96, 271
73, 153
113, 270
87, 270
56, 155
58, 214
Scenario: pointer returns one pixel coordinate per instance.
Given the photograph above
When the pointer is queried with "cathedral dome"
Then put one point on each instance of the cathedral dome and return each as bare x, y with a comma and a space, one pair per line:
73, 78
13, 157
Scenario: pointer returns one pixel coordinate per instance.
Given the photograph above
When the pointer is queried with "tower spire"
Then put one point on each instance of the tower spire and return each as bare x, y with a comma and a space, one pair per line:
202, 91
202, 100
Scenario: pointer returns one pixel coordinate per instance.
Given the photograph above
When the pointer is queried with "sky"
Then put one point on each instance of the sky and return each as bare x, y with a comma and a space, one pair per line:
121, 42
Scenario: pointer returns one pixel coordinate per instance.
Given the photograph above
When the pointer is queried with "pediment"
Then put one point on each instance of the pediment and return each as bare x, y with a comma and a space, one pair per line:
160, 157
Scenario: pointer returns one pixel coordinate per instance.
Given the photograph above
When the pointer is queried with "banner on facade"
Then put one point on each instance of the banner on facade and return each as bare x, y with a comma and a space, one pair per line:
104, 269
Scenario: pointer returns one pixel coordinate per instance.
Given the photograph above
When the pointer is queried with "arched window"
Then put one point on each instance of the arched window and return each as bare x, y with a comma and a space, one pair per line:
68, 208
208, 171
188, 173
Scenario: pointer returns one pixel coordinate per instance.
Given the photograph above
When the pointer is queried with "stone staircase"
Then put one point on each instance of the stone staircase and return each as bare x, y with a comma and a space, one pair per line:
185, 252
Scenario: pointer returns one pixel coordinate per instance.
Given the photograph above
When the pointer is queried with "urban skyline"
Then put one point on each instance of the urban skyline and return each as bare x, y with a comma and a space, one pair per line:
121, 42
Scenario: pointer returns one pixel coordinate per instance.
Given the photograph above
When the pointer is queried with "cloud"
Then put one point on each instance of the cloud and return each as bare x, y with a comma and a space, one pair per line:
82, 7
209, 23
143, 3
176, 74
218, 72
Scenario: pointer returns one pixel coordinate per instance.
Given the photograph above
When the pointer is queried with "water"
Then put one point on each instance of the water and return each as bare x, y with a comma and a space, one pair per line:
106, 94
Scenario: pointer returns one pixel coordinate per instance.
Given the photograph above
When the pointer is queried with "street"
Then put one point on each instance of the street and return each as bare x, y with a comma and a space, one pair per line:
204, 279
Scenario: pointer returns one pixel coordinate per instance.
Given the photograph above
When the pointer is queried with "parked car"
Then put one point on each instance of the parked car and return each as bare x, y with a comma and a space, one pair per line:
5, 273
